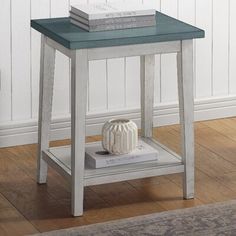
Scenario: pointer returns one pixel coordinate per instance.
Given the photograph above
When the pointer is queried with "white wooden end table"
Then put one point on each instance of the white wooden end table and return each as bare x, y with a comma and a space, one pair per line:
168, 36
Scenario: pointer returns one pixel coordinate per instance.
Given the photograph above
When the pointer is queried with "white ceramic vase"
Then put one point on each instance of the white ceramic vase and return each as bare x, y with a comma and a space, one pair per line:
119, 136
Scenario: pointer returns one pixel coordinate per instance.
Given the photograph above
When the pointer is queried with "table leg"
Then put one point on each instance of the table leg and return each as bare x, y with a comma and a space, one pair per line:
186, 105
47, 67
79, 80
147, 66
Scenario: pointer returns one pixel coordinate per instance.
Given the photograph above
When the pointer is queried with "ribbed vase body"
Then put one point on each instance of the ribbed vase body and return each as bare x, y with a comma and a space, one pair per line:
120, 136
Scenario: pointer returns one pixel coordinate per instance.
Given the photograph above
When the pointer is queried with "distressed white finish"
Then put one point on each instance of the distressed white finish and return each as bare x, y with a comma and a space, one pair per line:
185, 87
59, 47
47, 66
133, 50
147, 68
121, 51
79, 80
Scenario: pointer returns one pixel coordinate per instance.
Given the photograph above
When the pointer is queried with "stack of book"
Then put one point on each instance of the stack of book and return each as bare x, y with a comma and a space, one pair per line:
111, 16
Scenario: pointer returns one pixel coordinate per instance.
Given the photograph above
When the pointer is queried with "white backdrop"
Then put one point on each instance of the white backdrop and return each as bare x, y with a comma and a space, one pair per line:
113, 83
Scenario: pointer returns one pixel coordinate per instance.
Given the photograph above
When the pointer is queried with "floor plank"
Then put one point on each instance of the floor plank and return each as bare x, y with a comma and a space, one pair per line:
164, 192
217, 143
206, 160
13, 223
126, 199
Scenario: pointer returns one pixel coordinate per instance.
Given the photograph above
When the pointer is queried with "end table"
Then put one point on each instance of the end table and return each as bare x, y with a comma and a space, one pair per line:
168, 36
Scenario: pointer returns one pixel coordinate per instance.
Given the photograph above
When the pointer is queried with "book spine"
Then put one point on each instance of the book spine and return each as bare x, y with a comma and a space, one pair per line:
122, 20
121, 14
123, 161
83, 26
78, 18
122, 26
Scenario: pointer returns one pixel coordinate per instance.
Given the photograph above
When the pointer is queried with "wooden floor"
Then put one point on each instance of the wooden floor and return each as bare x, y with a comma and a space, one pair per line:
26, 207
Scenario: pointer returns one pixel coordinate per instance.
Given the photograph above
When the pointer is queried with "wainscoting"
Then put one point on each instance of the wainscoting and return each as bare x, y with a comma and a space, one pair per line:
113, 83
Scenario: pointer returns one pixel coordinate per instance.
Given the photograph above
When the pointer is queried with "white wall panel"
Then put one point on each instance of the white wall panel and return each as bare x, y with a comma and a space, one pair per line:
220, 47
116, 83
97, 86
131, 1
116, 76
204, 49
95, 1
74, 2
5, 60
187, 16
21, 83
62, 72
168, 61
78, 1
132, 80
39, 9
232, 47
157, 82
98, 90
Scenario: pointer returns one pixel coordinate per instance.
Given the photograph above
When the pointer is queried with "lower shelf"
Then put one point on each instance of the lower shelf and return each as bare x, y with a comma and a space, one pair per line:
59, 158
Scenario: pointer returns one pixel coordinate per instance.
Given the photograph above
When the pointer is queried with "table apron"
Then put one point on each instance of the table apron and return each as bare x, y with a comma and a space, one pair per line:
121, 51
134, 50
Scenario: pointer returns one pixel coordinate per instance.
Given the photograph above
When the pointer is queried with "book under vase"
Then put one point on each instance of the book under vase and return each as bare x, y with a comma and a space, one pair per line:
97, 157
103, 17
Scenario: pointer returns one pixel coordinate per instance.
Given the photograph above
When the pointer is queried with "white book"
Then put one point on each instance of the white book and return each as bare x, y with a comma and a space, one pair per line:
111, 10
96, 157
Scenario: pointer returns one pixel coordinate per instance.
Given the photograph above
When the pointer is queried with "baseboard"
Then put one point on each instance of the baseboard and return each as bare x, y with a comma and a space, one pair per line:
25, 132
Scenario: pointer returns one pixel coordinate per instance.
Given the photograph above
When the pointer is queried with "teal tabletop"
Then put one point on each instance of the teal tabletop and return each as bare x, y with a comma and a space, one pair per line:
73, 37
